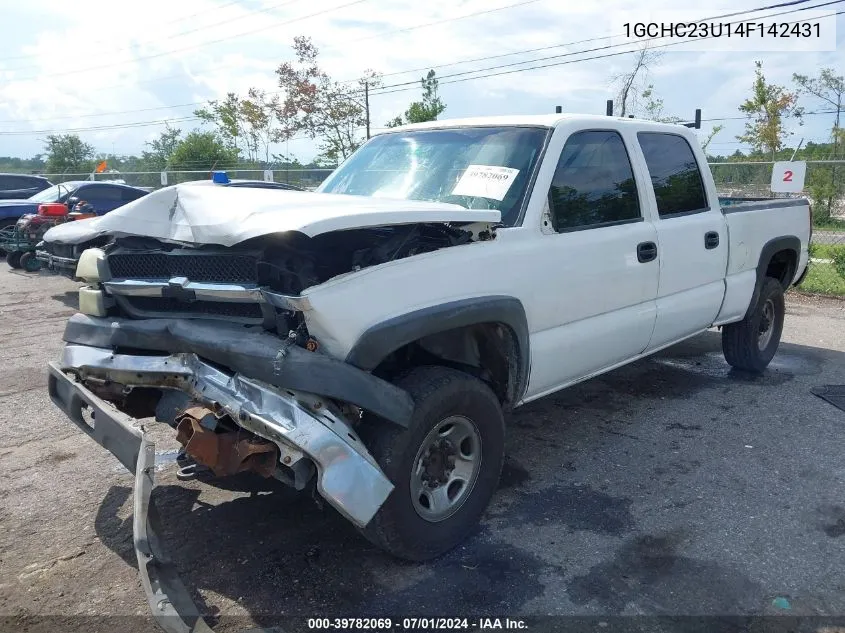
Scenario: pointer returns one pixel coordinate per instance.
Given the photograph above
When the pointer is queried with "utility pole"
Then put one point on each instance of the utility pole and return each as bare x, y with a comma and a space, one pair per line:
367, 105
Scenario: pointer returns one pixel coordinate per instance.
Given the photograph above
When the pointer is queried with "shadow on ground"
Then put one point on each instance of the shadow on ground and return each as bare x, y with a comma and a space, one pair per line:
275, 553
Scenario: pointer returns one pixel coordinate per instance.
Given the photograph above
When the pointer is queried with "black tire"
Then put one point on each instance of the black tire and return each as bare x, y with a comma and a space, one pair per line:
13, 258
438, 393
29, 262
741, 342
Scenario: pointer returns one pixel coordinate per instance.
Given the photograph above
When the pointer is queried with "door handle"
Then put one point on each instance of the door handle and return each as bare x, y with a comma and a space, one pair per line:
711, 239
646, 252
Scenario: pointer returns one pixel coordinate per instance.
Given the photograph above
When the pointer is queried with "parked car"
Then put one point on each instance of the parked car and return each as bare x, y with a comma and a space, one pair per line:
21, 186
61, 246
368, 338
103, 196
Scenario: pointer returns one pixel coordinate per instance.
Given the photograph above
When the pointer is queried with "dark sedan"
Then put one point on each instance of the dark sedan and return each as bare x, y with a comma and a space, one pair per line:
21, 186
102, 196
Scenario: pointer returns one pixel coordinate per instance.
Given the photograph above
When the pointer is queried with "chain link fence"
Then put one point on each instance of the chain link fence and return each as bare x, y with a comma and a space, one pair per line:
308, 179
824, 186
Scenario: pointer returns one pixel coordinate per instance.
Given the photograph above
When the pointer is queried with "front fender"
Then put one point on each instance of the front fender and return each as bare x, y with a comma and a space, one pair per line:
377, 342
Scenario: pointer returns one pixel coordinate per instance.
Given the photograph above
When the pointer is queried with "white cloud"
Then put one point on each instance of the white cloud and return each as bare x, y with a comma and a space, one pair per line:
67, 64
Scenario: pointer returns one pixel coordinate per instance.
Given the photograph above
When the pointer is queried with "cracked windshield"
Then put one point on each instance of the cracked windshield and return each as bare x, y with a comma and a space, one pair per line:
476, 168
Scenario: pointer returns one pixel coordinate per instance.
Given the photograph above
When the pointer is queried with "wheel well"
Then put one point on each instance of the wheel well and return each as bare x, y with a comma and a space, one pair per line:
782, 266
488, 351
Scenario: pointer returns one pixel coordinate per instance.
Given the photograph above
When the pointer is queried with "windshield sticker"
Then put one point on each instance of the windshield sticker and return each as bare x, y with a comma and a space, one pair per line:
485, 181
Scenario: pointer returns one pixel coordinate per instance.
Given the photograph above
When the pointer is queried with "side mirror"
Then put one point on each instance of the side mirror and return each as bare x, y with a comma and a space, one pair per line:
71, 202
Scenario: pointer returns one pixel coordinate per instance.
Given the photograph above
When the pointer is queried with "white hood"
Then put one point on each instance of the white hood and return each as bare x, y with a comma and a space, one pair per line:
74, 232
229, 215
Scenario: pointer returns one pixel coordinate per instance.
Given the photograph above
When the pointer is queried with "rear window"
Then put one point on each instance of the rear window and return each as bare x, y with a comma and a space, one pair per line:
674, 173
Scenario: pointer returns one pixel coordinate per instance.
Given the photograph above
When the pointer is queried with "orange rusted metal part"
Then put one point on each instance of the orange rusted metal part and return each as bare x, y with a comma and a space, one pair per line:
225, 453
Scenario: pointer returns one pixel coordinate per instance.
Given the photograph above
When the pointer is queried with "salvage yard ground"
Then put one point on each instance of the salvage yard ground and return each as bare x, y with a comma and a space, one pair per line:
671, 486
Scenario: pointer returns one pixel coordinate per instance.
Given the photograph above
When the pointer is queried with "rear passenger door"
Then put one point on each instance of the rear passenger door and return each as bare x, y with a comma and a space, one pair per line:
692, 239
595, 301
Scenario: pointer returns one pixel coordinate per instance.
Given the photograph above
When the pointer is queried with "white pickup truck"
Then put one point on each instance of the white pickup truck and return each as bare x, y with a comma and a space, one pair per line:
367, 339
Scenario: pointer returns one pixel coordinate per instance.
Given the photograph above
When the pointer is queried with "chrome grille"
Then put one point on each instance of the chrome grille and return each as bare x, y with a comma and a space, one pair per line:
213, 267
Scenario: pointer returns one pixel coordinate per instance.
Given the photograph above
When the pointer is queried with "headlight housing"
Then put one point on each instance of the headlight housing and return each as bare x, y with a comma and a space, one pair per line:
92, 266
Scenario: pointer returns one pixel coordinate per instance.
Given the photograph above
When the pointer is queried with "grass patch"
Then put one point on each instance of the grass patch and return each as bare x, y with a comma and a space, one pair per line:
826, 251
828, 224
823, 279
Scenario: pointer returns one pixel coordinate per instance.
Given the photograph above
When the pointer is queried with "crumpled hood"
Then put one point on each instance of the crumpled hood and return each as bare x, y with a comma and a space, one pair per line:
230, 215
74, 232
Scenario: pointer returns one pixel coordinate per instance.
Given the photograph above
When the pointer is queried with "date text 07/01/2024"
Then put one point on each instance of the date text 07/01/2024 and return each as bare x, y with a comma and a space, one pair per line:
431, 623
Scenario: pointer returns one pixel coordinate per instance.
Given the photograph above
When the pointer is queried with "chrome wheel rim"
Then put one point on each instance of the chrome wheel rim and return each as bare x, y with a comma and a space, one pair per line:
767, 325
445, 468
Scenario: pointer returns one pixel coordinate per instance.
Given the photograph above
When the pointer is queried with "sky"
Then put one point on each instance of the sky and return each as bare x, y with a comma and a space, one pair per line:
126, 67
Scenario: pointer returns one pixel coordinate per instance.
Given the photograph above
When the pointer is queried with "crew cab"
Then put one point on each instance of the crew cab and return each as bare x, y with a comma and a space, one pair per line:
368, 338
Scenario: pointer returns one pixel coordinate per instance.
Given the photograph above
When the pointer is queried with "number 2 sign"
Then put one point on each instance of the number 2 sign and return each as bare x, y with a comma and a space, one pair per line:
788, 176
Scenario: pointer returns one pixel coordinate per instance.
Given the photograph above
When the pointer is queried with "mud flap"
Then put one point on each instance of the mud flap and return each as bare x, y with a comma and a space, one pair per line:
169, 600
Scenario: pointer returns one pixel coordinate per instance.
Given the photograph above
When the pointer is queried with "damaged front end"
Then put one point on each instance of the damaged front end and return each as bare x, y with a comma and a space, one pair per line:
112, 377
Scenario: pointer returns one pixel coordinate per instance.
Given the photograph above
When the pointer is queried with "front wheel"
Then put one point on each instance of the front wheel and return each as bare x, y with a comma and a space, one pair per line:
445, 466
13, 258
751, 343
29, 262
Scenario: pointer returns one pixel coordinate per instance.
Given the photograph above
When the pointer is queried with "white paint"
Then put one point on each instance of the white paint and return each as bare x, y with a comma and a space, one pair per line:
485, 181
229, 215
788, 176
590, 304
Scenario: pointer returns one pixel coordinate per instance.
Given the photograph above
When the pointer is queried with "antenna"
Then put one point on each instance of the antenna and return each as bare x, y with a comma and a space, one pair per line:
697, 123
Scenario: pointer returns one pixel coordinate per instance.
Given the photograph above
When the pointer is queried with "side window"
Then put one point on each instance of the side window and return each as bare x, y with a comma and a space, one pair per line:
674, 172
128, 195
593, 184
99, 194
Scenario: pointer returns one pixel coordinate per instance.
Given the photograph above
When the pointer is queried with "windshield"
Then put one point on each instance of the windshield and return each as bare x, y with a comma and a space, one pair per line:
53, 194
477, 168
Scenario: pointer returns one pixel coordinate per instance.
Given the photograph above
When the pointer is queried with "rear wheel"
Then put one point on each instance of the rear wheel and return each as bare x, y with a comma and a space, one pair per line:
29, 262
751, 343
13, 258
445, 467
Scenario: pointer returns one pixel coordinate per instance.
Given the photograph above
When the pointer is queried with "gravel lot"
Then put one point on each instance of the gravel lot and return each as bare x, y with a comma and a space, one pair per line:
672, 486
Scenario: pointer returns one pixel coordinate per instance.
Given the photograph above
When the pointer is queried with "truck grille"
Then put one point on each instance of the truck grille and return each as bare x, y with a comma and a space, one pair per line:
211, 267
158, 306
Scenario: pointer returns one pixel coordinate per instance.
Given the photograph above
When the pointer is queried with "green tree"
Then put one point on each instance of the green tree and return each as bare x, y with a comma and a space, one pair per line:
653, 107
324, 108
203, 150
766, 109
427, 109
823, 185
225, 115
161, 149
66, 153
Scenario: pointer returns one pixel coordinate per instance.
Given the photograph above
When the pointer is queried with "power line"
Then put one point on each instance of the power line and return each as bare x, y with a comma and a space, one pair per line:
384, 89
176, 21
414, 83
201, 44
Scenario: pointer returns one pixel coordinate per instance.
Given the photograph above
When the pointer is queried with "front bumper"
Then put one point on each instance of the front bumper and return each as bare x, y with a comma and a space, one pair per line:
300, 424
169, 600
63, 265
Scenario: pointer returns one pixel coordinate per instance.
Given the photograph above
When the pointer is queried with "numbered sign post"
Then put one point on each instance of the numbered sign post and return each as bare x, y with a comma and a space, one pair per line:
788, 176
164, 179
268, 175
